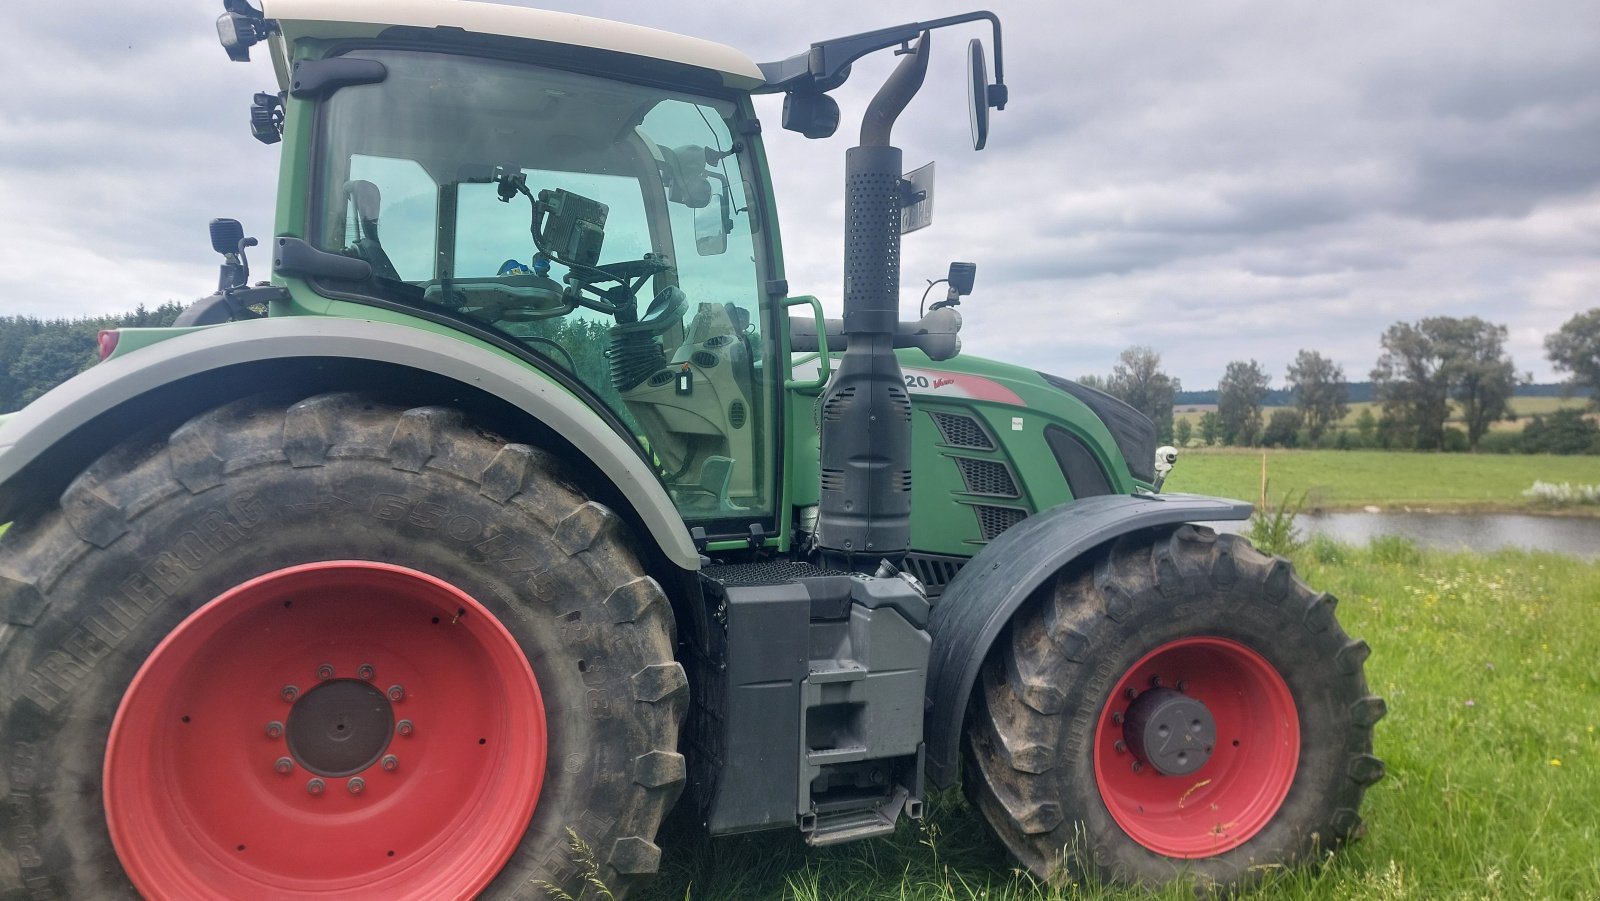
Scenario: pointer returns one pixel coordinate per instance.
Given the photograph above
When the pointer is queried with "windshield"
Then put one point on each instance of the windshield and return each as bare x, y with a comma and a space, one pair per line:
601, 225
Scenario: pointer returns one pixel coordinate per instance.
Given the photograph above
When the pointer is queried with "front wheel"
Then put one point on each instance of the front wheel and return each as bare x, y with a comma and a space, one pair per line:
1178, 705
325, 649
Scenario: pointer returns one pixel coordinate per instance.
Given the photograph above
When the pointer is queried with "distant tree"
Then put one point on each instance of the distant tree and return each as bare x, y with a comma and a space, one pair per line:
37, 355
1575, 348
1320, 391
1283, 429
1182, 431
1481, 375
1239, 398
50, 358
1138, 380
1413, 383
1210, 427
1097, 382
1425, 364
1366, 424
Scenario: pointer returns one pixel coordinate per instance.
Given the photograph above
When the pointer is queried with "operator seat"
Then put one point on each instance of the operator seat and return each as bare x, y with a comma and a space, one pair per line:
367, 200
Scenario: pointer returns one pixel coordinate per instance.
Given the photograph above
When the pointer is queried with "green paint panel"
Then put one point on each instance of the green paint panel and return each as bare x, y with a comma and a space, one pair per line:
980, 460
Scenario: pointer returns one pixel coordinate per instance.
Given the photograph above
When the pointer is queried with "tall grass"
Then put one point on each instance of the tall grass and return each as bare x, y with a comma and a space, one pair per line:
1488, 664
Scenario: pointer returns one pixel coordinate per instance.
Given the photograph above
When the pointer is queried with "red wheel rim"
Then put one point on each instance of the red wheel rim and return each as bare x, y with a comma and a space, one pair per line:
1236, 792
425, 791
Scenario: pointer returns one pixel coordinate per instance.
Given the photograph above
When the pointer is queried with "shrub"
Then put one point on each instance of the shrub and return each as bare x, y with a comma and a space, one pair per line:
1326, 551
1563, 495
1502, 442
1455, 440
1394, 550
1562, 432
1274, 531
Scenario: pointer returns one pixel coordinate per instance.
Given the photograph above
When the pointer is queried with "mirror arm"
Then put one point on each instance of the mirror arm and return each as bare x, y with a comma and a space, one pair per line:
827, 64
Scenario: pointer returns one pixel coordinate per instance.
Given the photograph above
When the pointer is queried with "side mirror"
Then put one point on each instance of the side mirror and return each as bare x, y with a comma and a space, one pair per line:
810, 112
977, 93
711, 226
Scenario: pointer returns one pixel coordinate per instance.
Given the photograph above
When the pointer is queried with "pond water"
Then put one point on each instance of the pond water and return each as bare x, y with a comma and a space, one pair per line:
1577, 536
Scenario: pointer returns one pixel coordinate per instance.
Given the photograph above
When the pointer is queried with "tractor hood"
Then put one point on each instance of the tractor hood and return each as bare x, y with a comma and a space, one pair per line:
335, 19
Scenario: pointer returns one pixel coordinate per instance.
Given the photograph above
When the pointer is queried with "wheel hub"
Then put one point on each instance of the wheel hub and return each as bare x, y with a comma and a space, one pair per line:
1170, 731
340, 728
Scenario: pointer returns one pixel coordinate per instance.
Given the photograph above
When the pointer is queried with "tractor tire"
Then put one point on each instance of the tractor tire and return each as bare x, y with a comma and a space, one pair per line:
331, 648
1177, 706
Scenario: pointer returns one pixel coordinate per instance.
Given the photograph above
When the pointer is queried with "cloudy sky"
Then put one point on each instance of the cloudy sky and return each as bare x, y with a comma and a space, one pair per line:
1219, 180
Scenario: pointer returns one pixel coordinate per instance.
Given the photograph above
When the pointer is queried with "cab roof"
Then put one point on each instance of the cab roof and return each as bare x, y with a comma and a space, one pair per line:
367, 18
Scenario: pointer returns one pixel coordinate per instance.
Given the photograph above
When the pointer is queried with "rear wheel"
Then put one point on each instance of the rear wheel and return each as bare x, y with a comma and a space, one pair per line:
333, 648
1180, 705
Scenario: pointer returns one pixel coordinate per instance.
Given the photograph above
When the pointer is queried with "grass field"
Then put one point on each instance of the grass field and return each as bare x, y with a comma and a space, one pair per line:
1333, 480
1524, 407
1487, 663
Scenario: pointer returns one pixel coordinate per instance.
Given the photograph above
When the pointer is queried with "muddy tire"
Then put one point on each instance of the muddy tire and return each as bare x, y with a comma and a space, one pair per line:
194, 636
1178, 706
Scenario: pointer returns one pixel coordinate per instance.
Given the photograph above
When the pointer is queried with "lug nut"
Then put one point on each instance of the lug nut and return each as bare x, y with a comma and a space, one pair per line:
390, 763
1155, 681
1121, 747
1138, 767
315, 787
274, 729
290, 692
1117, 717
366, 671
404, 727
356, 785
283, 765
1183, 684
1132, 692
325, 671
396, 692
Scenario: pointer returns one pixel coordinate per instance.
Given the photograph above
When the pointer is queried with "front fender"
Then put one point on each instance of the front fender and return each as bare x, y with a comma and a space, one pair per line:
978, 603
29, 438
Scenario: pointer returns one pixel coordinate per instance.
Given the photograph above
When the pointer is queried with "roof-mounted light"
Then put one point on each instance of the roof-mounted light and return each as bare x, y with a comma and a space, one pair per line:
241, 28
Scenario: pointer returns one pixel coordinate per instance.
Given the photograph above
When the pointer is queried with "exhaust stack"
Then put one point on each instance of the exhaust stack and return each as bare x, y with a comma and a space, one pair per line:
865, 506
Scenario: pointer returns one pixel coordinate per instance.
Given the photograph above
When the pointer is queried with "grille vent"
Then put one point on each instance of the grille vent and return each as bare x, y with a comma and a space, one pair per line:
933, 572
832, 479
902, 480
957, 430
717, 341
987, 477
661, 378
994, 520
902, 403
705, 359
736, 414
833, 410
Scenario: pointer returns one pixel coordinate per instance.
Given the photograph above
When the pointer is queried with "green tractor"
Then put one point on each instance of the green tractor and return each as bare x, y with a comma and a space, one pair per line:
525, 499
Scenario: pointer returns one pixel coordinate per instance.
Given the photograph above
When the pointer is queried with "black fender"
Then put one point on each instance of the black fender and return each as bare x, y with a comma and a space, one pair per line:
181, 376
978, 603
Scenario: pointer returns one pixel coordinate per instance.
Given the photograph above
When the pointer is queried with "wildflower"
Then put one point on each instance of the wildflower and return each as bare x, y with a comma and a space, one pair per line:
1555, 761
1472, 703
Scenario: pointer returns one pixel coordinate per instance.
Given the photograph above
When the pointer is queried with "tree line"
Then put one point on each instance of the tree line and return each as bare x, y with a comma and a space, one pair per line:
1425, 371
39, 354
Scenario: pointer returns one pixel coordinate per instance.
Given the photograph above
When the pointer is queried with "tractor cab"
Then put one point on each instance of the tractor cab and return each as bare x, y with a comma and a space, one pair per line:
594, 214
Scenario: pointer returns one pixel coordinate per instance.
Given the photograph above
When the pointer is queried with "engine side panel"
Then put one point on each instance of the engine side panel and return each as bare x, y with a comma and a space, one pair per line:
991, 444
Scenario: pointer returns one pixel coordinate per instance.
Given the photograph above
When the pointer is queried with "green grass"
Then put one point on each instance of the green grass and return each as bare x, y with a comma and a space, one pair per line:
1333, 480
1523, 407
1488, 666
